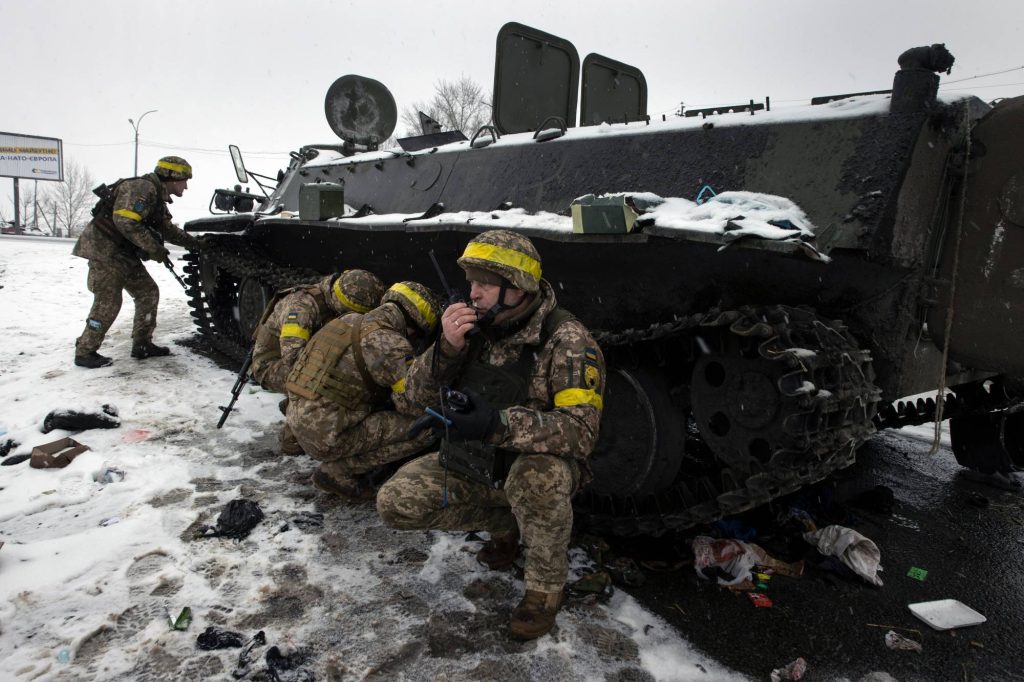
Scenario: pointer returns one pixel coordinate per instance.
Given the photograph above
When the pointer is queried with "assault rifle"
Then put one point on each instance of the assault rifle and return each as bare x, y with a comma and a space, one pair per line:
240, 381
453, 294
167, 262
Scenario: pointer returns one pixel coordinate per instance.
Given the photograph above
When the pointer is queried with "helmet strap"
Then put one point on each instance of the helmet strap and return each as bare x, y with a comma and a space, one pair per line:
500, 306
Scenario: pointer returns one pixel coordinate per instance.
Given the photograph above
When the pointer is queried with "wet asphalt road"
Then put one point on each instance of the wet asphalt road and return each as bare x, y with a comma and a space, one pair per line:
968, 536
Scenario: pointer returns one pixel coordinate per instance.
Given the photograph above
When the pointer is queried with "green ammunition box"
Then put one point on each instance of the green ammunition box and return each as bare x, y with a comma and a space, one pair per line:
606, 215
321, 200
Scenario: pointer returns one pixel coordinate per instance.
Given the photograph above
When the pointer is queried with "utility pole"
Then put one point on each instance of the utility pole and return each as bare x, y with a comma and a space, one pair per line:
35, 205
135, 127
17, 200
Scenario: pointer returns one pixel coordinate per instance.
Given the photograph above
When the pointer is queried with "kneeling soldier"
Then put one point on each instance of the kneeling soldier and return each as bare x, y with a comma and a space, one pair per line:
516, 451
339, 389
293, 316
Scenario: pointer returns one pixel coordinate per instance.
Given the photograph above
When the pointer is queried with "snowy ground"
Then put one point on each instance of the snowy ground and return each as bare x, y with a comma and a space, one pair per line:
89, 570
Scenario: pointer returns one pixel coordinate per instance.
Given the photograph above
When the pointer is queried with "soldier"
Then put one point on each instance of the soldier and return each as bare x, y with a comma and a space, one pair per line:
130, 223
290, 321
534, 378
339, 389
294, 316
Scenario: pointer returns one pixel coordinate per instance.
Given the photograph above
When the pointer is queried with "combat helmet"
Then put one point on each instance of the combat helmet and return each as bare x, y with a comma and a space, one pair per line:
506, 254
173, 168
420, 304
356, 290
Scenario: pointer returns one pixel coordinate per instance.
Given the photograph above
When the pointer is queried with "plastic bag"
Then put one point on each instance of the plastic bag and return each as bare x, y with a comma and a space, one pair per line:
732, 560
236, 520
216, 638
853, 549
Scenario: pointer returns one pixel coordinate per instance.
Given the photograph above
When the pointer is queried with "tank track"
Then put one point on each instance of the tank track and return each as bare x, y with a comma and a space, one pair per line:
240, 260
965, 400
823, 428
826, 430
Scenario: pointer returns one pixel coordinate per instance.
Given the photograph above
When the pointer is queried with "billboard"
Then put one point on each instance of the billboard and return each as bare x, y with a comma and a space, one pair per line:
31, 157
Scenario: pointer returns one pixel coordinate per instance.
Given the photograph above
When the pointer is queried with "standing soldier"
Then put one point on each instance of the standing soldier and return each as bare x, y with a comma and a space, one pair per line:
130, 224
294, 316
511, 458
339, 389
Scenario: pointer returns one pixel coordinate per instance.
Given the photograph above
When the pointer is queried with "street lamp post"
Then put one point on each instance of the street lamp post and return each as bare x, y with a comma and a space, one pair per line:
135, 127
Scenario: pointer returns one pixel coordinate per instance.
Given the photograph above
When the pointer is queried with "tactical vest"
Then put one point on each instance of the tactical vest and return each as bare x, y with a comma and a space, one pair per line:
502, 387
103, 215
317, 373
267, 338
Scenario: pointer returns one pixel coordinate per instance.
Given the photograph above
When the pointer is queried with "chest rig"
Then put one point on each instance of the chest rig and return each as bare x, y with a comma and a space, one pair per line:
502, 386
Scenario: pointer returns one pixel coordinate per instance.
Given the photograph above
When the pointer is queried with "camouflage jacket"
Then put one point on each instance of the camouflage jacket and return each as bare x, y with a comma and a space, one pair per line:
562, 414
136, 227
295, 317
387, 353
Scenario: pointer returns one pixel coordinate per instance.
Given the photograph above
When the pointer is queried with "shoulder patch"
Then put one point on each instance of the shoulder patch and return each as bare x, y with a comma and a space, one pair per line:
292, 316
139, 206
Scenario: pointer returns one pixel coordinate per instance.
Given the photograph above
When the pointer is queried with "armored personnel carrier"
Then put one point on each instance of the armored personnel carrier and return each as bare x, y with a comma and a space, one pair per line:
766, 285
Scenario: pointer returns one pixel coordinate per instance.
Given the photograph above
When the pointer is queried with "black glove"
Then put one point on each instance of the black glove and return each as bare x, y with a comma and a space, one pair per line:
472, 419
160, 255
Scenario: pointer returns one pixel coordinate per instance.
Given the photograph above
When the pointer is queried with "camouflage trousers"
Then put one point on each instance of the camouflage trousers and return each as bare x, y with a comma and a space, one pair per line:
536, 496
106, 282
351, 442
272, 374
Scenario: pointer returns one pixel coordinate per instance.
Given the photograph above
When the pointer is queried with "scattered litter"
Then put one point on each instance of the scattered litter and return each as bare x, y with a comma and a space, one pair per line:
216, 638
135, 436
946, 614
625, 571
56, 455
760, 600
76, 420
7, 446
236, 520
259, 639
731, 561
917, 573
183, 620
108, 474
110, 521
14, 459
793, 671
594, 583
279, 662
853, 549
893, 640
64, 656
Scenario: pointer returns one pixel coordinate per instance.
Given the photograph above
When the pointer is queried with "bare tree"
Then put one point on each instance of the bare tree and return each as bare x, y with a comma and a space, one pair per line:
69, 202
457, 105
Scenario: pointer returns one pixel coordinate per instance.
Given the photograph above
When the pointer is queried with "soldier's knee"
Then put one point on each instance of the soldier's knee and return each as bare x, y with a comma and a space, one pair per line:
392, 512
539, 480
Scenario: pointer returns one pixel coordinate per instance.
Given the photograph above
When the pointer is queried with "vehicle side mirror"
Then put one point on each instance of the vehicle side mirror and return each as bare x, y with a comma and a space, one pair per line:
236, 159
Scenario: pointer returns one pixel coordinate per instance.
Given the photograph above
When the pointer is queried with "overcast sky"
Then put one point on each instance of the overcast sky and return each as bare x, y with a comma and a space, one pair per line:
255, 73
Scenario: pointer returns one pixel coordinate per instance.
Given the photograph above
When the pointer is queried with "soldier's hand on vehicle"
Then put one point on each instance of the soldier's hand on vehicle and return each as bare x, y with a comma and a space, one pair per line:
456, 322
192, 243
160, 254
476, 420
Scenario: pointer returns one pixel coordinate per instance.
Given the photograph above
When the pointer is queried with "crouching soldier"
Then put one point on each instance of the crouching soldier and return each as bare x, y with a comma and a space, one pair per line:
343, 381
520, 429
292, 318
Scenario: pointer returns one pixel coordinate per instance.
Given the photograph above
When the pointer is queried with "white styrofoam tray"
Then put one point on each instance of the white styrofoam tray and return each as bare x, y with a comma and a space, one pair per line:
946, 614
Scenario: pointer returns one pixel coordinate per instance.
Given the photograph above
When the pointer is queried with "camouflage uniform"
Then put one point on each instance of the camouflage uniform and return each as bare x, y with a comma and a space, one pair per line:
356, 438
301, 311
552, 433
115, 243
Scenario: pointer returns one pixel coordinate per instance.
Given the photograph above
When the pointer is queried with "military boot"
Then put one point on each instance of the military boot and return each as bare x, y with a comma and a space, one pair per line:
147, 349
289, 445
92, 360
500, 551
348, 488
535, 615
